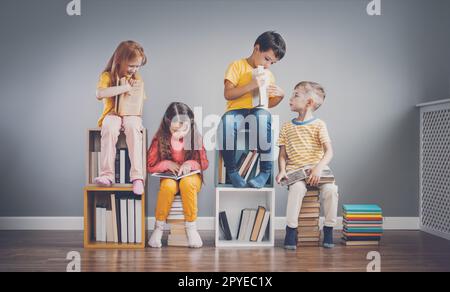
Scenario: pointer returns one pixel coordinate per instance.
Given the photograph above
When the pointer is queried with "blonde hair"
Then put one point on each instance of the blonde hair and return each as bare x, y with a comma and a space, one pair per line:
125, 52
313, 90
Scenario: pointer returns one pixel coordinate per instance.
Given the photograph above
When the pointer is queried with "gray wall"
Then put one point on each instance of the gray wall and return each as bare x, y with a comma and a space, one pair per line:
376, 69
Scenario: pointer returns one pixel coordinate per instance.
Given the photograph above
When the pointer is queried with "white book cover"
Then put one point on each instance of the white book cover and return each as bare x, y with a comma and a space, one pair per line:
251, 223
103, 239
98, 224
124, 220
260, 98
131, 225
99, 163
264, 225
122, 166
114, 218
244, 223
138, 220
109, 226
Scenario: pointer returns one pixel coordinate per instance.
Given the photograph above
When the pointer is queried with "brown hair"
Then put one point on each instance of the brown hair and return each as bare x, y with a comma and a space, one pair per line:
315, 87
124, 53
193, 140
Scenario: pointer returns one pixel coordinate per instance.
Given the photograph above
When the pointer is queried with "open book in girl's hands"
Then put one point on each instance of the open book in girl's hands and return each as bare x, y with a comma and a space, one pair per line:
173, 176
131, 103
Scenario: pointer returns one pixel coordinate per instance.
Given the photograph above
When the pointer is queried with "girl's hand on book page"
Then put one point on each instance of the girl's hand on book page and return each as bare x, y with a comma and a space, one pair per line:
184, 169
274, 90
281, 176
173, 167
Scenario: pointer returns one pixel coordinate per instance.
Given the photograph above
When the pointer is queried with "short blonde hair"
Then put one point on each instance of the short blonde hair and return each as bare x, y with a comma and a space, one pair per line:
317, 90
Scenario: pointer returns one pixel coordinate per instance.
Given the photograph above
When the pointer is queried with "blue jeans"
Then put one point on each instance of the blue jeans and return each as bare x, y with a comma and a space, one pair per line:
257, 123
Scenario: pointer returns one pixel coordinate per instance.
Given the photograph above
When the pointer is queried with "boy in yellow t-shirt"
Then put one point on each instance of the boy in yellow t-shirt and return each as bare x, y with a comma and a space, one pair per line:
304, 141
242, 88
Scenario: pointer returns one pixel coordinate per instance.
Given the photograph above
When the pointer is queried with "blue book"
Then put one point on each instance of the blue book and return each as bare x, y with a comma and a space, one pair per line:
364, 230
362, 208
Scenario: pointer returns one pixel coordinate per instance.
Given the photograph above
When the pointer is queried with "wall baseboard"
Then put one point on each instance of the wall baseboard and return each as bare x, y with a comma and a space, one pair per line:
203, 223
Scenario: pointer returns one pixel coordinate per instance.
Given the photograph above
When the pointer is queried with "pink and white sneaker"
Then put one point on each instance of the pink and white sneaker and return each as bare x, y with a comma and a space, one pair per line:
103, 181
138, 186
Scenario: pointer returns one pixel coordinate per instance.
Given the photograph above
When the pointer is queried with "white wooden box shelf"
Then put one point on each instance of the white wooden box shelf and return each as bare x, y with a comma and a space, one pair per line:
233, 201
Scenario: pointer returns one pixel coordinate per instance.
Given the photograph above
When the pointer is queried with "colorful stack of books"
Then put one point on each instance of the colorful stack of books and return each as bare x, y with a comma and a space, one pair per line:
177, 235
308, 221
363, 224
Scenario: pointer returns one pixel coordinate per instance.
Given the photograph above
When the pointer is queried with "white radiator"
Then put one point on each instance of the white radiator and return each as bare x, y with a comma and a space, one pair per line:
435, 168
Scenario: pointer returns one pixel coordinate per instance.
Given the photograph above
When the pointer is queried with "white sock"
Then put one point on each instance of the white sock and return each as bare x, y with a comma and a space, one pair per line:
194, 238
155, 239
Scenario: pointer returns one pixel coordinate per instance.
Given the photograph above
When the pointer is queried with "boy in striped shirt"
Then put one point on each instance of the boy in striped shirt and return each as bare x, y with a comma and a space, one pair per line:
304, 141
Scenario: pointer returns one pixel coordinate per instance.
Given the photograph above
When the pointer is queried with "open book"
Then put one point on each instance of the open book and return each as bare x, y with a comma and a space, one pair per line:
294, 176
173, 176
131, 103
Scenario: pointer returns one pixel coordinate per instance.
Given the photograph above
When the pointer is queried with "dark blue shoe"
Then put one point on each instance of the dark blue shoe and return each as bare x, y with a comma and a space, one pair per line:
328, 237
237, 180
260, 180
290, 242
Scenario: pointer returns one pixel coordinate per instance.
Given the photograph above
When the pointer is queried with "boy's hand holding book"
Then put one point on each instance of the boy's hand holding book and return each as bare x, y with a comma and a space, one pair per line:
282, 175
314, 175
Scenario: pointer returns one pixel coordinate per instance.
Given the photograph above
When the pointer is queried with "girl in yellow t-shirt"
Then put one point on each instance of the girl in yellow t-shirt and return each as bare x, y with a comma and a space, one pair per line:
123, 66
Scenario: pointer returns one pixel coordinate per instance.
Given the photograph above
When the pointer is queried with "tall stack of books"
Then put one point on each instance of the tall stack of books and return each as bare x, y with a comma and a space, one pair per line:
177, 235
308, 221
363, 224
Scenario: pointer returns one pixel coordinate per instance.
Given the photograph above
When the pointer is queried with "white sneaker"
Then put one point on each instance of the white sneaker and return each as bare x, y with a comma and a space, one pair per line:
155, 239
195, 241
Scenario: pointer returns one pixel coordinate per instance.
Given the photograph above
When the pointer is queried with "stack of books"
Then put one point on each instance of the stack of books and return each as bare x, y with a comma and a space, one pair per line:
177, 235
308, 221
363, 224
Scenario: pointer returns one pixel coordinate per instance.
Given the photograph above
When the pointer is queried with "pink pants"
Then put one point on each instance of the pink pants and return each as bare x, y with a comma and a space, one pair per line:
111, 127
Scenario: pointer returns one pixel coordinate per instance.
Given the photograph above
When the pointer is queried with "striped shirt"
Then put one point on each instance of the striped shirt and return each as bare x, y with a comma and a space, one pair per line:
304, 142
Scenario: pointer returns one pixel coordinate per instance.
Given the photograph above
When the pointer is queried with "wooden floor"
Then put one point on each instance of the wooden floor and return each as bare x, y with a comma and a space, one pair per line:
47, 250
